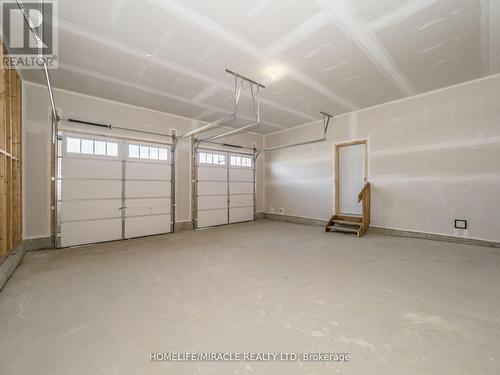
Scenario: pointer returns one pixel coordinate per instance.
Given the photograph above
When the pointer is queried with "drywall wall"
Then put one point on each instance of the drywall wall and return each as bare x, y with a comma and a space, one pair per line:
431, 158
37, 138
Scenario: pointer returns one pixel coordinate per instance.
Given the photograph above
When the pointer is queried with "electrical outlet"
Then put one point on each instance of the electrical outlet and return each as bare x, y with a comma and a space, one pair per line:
460, 224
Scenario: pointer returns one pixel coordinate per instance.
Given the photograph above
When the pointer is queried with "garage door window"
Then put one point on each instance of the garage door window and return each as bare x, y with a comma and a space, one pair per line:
147, 152
91, 147
241, 161
213, 159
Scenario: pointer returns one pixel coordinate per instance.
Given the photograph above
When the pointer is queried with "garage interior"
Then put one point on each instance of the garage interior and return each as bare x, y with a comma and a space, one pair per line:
312, 185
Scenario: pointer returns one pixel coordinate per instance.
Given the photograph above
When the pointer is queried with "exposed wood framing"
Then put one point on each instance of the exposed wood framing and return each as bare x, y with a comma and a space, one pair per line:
364, 197
10, 160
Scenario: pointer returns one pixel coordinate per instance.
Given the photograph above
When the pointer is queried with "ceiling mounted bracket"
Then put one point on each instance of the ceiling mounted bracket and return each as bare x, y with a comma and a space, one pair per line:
326, 123
239, 81
254, 91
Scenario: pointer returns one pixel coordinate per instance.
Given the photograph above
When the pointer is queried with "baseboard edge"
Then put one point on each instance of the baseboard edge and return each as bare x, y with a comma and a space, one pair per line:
10, 264
296, 219
387, 231
41, 243
433, 236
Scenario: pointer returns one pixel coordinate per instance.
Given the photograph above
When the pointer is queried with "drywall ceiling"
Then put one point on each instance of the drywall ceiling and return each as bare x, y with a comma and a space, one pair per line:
327, 55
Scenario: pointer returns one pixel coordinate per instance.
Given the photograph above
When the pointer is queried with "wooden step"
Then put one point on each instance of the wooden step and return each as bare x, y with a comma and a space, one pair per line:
352, 223
350, 218
344, 222
343, 229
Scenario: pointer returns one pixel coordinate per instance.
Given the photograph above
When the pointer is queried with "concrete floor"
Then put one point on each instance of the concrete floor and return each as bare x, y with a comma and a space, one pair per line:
397, 305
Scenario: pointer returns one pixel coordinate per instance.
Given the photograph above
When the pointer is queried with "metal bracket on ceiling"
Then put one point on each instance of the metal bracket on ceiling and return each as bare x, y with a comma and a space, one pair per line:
239, 81
254, 91
326, 122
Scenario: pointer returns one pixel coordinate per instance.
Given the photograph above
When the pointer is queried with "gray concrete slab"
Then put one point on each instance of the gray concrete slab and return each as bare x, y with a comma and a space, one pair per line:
397, 305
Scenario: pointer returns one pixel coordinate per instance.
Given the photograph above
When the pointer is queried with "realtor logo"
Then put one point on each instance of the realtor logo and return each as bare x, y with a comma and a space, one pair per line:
29, 34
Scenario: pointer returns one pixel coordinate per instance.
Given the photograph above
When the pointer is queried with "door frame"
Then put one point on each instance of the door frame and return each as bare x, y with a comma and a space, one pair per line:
336, 167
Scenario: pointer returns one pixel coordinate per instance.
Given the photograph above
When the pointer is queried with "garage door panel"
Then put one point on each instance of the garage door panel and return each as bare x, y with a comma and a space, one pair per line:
147, 225
216, 183
147, 198
90, 189
147, 206
241, 188
212, 188
237, 215
92, 168
211, 218
240, 174
210, 203
90, 209
212, 174
147, 189
147, 171
85, 232
241, 201
92, 196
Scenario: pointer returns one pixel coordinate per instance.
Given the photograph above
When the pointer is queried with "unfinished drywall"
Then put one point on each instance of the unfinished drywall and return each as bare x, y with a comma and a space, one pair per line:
339, 55
37, 147
432, 158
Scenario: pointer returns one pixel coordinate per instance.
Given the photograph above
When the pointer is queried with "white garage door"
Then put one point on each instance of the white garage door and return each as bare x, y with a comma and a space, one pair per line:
147, 189
225, 188
241, 188
110, 189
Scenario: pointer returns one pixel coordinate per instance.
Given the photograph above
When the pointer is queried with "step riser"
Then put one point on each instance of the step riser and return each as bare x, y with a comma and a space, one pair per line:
344, 230
351, 219
341, 222
345, 227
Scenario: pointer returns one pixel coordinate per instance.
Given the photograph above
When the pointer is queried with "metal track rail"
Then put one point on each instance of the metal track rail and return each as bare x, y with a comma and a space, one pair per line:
110, 127
326, 122
55, 124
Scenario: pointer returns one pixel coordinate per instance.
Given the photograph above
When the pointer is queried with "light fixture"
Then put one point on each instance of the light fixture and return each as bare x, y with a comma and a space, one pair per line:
273, 73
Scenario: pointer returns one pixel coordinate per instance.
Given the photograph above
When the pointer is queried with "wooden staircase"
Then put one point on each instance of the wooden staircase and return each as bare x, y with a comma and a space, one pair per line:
355, 224
345, 224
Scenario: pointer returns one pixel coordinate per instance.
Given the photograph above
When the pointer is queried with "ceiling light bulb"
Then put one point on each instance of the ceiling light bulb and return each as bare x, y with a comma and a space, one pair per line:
274, 73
